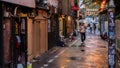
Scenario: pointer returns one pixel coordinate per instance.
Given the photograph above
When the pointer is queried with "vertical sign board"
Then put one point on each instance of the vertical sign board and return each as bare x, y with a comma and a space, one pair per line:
112, 44
27, 3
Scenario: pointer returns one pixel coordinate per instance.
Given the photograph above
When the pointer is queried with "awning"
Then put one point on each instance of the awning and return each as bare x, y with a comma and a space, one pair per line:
27, 3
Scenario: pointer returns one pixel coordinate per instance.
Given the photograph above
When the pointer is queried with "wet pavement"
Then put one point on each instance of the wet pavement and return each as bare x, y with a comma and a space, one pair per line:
92, 55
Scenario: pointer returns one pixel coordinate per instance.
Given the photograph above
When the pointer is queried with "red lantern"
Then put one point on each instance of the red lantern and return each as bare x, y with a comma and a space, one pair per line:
75, 8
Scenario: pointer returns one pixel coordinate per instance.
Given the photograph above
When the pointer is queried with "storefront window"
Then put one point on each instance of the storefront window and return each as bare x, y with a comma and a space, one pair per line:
21, 41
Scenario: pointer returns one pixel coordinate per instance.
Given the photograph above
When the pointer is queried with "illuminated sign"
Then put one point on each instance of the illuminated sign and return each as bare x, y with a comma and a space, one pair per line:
102, 5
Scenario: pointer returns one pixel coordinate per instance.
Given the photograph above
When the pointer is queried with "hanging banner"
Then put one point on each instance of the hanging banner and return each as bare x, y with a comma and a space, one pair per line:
111, 50
111, 33
27, 3
112, 41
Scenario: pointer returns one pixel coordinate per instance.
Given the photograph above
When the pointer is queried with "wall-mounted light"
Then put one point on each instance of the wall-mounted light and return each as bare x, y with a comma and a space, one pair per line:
95, 3
32, 14
6, 12
69, 18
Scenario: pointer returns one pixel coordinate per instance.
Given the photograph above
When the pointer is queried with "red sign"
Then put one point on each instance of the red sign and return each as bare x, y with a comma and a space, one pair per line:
75, 8
102, 5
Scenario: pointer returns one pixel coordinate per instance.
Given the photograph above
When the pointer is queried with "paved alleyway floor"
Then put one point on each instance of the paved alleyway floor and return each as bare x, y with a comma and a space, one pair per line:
92, 55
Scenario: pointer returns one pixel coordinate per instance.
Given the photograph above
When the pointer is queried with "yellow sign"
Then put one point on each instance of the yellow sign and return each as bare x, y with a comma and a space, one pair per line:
23, 15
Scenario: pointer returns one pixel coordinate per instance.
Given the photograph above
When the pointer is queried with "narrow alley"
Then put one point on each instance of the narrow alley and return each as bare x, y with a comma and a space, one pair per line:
59, 34
92, 55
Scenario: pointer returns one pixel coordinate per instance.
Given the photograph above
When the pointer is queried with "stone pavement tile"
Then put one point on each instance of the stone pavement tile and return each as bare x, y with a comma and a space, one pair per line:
92, 55
46, 56
70, 42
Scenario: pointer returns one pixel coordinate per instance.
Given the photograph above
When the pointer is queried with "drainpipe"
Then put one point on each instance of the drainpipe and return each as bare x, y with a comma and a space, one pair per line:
111, 34
1, 39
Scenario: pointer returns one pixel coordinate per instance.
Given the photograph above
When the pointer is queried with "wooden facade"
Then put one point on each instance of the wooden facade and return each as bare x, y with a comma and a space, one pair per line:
7, 37
37, 36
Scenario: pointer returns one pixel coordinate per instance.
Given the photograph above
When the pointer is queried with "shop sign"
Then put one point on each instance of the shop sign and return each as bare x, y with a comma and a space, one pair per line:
28, 3
23, 15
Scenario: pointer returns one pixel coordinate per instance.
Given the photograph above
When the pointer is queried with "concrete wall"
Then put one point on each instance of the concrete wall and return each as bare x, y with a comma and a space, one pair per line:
117, 22
66, 7
117, 28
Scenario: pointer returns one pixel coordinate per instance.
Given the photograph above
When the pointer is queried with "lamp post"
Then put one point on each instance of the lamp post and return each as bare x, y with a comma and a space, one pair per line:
111, 33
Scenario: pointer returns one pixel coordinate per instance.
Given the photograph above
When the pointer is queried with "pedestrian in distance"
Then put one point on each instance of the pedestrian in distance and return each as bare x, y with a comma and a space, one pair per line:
82, 32
94, 27
90, 28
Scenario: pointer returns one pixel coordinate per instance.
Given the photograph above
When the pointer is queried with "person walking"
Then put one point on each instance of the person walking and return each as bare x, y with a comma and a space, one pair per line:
83, 32
94, 27
90, 28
